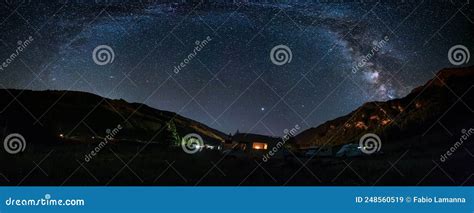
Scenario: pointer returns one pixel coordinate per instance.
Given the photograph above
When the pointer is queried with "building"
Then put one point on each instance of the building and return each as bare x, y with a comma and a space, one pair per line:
250, 143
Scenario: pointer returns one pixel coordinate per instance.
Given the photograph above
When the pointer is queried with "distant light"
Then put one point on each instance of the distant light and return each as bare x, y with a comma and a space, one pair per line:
259, 146
61, 135
262, 109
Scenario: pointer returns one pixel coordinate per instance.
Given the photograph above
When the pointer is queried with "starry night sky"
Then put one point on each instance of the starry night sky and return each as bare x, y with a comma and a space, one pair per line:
232, 83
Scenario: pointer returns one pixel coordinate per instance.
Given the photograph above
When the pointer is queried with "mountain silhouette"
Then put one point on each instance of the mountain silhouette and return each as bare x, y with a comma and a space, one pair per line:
64, 127
44, 115
445, 100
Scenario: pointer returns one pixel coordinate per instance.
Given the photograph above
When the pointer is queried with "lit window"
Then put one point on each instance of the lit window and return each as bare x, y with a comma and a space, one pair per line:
259, 146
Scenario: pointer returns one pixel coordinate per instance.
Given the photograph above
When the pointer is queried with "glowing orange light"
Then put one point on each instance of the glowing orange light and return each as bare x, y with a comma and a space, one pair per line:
386, 121
400, 108
259, 146
361, 125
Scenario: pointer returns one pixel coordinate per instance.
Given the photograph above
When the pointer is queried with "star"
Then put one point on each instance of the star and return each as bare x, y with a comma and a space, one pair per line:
231, 73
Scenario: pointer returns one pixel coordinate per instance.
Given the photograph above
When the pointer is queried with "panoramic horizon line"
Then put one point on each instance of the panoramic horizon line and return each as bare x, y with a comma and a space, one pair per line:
237, 130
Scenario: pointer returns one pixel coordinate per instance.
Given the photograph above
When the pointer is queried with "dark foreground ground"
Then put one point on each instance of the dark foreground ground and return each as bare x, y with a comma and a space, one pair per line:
415, 161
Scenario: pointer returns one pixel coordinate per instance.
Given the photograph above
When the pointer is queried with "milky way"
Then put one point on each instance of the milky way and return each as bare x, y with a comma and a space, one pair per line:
343, 54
